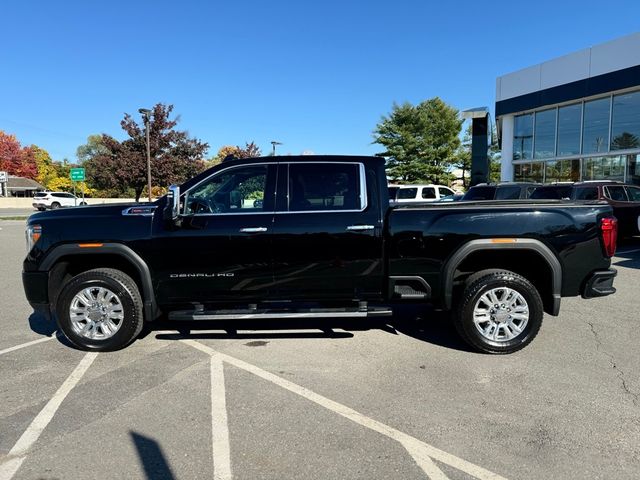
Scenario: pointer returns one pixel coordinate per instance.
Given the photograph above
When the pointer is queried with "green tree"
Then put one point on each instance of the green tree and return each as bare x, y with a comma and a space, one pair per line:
91, 149
420, 141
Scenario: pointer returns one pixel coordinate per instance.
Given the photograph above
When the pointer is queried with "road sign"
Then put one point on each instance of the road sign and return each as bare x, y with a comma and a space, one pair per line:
3, 177
77, 174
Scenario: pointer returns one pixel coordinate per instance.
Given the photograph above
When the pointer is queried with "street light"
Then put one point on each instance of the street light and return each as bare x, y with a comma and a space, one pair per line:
273, 144
145, 112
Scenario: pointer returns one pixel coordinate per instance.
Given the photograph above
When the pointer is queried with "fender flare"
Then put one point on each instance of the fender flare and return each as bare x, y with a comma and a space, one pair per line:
493, 244
150, 304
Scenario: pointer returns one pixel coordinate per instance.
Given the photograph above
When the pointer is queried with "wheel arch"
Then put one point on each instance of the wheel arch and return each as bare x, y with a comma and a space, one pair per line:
75, 258
508, 248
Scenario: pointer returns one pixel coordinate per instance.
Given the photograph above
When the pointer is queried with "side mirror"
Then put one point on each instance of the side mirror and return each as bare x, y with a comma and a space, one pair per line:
172, 208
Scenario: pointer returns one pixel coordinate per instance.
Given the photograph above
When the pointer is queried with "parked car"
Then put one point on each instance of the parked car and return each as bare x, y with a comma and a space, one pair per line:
456, 197
500, 191
53, 200
323, 243
625, 199
419, 193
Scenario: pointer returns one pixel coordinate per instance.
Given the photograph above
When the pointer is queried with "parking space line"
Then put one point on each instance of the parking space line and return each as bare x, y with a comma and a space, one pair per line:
219, 426
18, 453
27, 344
422, 453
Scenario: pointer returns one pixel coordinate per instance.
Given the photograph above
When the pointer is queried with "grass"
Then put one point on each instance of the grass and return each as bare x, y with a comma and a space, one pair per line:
21, 217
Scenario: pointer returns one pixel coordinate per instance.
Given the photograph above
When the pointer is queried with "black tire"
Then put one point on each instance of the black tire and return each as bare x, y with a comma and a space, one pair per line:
126, 290
480, 284
55, 205
41, 209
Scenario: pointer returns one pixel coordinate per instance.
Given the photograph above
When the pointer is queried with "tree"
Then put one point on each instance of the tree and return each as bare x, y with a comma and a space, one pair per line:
625, 141
121, 166
91, 149
47, 171
250, 150
420, 141
16, 159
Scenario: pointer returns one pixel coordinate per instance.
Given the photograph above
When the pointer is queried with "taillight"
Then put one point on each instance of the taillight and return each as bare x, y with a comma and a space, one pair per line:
609, 227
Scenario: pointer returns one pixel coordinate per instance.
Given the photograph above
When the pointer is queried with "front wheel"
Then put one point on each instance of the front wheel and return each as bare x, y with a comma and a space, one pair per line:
500, 312
100, 310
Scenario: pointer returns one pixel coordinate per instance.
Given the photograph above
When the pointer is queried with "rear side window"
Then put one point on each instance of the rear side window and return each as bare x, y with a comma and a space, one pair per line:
617, 194
480, 193
508, 193
392, 192
634, 194
327, 186
589, 193
428, 192
552, 193
407, 193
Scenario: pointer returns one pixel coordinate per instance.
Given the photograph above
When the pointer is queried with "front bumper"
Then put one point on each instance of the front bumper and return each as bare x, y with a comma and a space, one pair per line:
600, 284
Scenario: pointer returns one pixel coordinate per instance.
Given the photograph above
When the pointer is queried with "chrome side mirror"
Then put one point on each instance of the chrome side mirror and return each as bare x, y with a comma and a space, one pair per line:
172, 208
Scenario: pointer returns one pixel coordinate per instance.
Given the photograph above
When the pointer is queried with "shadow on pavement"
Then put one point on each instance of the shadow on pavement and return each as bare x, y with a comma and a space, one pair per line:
40, 325
153, 460
427, 326
627, 253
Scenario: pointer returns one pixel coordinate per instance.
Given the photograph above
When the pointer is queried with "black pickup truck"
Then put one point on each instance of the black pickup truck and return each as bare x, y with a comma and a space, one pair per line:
312, 236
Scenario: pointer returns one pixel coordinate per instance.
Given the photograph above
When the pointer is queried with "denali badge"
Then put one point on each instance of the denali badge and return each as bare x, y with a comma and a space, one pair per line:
200, 275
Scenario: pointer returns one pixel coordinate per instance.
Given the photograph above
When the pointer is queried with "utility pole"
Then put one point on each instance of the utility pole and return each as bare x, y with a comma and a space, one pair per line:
146, 117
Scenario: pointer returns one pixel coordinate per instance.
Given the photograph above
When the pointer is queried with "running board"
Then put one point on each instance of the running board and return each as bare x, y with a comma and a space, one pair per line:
250, 315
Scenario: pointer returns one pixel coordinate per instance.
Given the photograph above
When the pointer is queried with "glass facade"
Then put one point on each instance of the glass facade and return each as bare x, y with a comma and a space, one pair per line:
595, 139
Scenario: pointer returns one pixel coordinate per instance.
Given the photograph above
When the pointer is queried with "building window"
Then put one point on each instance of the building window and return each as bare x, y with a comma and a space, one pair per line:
529, 172
595, 136
603, 168
625, 128
545, 134
633, 169
523, 137
569, 119
562, 171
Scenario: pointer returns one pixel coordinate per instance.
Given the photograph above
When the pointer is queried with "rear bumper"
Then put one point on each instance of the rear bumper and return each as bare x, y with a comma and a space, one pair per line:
600, 284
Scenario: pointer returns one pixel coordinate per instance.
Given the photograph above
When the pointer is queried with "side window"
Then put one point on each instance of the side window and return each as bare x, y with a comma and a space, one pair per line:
445, 192
508, 193
407, 193
587, 193
634, 194
324, 186
428, 192
616, 193
238, 190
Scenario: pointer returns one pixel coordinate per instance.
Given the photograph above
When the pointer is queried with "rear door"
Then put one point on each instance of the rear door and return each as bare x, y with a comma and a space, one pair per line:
327, 233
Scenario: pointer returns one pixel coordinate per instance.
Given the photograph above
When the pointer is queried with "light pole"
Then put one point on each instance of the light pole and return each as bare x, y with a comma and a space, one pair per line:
273, 144
145, 112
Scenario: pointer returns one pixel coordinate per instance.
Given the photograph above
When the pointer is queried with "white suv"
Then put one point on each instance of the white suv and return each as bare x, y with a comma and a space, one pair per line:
419, 193
53, 200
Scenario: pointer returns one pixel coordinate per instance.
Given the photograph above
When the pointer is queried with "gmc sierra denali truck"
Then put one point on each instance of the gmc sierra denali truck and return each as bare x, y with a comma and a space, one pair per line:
312, 236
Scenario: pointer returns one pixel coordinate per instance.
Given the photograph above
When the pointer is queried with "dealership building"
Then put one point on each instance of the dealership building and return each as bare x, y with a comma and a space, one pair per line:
573, 118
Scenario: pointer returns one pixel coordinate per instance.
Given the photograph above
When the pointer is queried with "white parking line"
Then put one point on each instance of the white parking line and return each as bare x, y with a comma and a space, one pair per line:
219, 426
19, 451
421, 452
28, 344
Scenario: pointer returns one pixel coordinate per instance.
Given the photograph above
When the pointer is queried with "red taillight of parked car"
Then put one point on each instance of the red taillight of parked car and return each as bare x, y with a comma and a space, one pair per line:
609, 227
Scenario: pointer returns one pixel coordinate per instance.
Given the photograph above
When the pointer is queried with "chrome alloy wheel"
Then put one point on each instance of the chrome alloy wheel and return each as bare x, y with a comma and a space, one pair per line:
501, 314
96, 313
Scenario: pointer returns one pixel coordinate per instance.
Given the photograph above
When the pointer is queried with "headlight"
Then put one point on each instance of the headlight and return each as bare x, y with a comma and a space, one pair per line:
33, 234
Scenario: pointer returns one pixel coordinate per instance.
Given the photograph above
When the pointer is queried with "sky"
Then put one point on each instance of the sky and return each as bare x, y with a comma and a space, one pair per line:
314, 75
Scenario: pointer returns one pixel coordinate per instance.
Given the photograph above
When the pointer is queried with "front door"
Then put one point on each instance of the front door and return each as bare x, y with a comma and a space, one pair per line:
327, 235
221, 252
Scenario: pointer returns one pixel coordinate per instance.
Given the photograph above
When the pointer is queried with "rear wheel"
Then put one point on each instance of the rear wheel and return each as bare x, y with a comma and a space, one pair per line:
500, 312
55, 205
100, 310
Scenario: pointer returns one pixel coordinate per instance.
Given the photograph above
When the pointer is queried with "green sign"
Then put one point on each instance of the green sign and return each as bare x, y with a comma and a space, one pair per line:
77, 174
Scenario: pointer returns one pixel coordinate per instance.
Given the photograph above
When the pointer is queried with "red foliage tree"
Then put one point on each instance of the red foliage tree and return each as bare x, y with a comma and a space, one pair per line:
16, 159
174, 156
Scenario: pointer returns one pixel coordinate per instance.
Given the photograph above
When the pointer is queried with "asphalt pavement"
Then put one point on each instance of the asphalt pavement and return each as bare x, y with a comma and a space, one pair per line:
327, 399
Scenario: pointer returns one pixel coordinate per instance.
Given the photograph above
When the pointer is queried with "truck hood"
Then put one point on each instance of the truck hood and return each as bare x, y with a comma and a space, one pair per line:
110, 209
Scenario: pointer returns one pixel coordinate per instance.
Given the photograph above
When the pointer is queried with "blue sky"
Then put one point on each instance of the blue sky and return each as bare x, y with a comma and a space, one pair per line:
314, 75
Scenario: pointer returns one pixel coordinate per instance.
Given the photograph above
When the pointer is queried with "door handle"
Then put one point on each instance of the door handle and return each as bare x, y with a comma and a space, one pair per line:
360, 228
253, 229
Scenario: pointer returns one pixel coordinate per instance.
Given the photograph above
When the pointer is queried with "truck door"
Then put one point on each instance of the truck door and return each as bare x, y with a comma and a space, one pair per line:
222, 250
327, 233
